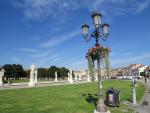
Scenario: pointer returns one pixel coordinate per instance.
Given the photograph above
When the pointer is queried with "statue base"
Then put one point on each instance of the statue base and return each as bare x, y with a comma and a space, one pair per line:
31, 84
95, 111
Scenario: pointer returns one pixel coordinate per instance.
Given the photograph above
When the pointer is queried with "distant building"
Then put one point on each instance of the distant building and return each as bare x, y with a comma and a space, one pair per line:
132, 69
81, 74
147, 70
136, 71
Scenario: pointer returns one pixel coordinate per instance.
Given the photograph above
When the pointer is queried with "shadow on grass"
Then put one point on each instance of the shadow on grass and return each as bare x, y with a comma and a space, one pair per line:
91, 98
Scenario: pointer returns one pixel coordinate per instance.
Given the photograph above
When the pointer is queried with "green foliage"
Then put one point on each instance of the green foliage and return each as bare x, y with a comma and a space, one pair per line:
14, 71
42, 73
50, 72
102, 55
90, 65
63, 72
142, 74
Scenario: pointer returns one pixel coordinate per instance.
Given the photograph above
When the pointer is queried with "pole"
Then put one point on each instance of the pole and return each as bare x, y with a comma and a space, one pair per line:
100, 104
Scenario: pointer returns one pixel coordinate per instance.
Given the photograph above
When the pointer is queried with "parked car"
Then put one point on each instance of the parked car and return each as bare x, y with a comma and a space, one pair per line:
113, 77
138, 77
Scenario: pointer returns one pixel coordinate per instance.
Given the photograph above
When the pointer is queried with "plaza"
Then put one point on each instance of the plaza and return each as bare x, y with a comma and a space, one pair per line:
74, 56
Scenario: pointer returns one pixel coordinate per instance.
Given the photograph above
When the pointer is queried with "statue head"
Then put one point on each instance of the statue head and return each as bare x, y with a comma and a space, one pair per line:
32, 67
70, 71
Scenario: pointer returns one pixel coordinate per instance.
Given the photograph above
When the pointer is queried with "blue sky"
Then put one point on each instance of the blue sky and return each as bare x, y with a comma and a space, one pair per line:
48, 32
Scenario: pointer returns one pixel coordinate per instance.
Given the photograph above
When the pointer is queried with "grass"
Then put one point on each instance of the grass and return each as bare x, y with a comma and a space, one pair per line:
63, 99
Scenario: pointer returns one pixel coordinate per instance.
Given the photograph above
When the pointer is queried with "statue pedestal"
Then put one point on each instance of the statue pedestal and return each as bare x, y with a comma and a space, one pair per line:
88, 79
36, 82
31, 83
56, 80
102, 112
70, 81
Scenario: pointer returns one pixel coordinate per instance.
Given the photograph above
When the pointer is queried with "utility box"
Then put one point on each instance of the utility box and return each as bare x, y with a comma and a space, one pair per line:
112, 97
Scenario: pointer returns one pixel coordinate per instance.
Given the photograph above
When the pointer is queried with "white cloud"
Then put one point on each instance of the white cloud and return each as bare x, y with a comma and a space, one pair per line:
59, 39
30, 50
76, 64
142, 6
48, 60
42, 54
135, 59
127, 53
42, 9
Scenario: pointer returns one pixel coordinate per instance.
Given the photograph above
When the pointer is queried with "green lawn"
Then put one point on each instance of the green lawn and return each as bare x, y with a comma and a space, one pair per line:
63, 99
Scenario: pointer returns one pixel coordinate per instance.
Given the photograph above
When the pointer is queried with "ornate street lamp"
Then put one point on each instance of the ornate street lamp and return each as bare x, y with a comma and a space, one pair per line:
98, 53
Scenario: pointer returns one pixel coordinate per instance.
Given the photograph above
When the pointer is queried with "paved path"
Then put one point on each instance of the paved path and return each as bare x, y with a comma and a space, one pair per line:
41, 84
144, 107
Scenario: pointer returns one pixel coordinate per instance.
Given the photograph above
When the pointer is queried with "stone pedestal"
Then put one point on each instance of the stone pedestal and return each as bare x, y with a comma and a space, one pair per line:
31, 83
1, 77
56, 80
102, 112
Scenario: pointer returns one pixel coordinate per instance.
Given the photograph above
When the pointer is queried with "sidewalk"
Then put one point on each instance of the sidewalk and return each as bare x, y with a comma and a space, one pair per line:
41, 84
144, 107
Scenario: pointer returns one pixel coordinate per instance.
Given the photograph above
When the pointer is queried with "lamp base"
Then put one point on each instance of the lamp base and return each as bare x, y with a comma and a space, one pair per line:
95, 111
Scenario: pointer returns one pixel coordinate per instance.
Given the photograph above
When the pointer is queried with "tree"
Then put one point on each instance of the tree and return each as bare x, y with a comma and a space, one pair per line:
42, 73
14, 71
142, 74
52, 70
63, 72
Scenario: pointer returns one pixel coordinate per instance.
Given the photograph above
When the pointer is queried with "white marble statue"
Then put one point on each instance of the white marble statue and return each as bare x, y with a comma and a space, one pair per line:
70, 77
75, 78
33, 76
80, 77
1, 77
56, 80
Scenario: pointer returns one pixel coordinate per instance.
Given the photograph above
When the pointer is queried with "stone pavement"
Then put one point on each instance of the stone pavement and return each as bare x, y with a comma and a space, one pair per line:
144, 107
41, 84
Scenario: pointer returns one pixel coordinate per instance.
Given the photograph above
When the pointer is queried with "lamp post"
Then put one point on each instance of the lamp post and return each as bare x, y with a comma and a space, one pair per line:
101, 31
